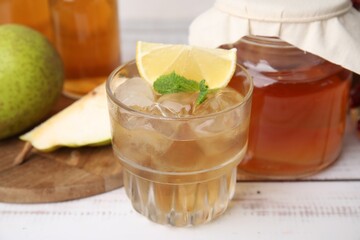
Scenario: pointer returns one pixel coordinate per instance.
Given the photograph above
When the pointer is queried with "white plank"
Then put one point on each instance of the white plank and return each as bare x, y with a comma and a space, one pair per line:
310, 210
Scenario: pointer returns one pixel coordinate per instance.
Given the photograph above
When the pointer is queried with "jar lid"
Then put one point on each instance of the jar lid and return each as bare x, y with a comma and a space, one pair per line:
327, 28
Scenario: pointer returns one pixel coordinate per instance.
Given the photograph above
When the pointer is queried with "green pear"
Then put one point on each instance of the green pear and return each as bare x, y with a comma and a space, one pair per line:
84, 123
31, 78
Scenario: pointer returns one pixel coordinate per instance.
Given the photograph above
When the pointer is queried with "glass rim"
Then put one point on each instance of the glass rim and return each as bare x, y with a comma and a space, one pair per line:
109, 93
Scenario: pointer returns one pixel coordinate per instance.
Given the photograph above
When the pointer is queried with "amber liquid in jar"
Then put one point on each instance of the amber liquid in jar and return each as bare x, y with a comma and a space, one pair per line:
298, 110
87, 37
32, 13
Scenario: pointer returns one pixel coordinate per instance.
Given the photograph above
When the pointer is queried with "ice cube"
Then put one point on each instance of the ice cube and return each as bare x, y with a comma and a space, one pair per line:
135, 92
140, 145
227, 142
218, 101
220, 132
170, 105
176, 104
133, 121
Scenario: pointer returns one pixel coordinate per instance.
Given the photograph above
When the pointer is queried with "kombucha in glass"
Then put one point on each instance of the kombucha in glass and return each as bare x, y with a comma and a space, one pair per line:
179, 159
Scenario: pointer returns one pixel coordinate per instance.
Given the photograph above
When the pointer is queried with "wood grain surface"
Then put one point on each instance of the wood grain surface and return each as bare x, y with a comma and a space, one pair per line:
64, 174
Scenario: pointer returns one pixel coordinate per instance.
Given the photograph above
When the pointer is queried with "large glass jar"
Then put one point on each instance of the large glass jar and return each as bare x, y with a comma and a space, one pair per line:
86, 34
34, 14
356, 4
298, 111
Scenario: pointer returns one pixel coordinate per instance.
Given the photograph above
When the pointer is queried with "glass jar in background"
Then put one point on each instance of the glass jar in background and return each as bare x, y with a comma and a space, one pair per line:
356, 4
34, 14
298, 110
86, 34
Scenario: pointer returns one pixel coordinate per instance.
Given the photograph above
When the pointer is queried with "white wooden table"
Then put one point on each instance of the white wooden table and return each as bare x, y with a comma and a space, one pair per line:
324, 206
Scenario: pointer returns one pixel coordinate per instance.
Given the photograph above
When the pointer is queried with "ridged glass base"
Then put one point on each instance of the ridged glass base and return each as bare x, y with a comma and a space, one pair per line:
180, 204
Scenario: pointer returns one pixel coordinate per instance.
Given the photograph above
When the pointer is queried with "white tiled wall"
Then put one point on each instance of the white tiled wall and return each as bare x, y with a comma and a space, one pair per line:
164, 21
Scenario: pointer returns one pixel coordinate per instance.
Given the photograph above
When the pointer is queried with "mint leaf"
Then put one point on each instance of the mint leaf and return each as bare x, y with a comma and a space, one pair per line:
204, 90
174, 83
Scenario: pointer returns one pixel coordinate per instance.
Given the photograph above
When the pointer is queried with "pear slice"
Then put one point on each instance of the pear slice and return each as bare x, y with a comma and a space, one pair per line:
84, 123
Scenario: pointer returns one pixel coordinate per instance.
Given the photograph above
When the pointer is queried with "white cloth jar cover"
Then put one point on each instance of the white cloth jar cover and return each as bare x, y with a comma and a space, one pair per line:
327, 28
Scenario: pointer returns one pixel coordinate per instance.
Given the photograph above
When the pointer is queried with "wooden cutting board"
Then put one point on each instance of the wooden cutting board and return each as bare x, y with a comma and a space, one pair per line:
64, 174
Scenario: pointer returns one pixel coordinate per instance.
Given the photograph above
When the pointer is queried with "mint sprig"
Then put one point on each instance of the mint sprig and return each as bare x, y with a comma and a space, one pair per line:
204, 90
174, 83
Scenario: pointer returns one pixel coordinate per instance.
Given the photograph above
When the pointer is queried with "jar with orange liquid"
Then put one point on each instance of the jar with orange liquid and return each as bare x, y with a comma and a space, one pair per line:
86, 34
34, 14
356, 4
298, 111
301, 55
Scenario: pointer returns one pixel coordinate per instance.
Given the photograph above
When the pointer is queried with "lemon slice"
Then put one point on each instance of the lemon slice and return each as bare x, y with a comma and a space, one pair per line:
216, 66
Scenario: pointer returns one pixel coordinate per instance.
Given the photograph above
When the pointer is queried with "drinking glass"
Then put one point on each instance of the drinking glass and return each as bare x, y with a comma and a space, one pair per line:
179, 170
